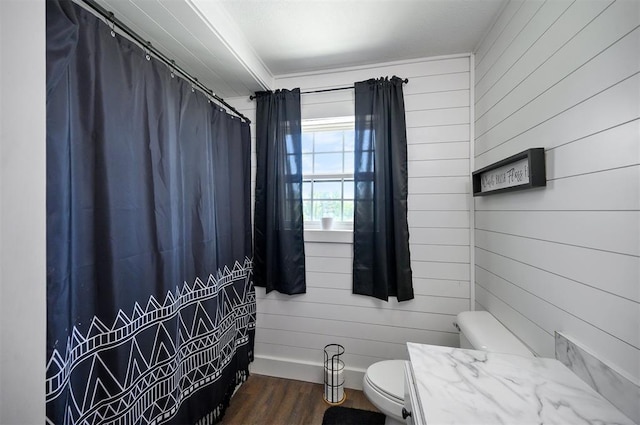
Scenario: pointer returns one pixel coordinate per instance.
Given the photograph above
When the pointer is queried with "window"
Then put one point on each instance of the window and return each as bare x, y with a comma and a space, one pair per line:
327, 168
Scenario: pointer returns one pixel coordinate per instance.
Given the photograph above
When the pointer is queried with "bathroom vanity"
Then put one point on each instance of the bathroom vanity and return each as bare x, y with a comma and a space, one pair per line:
460, 386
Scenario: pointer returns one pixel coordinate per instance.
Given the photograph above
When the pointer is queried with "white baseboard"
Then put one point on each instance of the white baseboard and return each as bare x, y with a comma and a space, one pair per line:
302, 371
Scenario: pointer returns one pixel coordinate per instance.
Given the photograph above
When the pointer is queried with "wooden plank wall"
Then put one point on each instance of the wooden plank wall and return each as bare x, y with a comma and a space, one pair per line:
292, 330
563, 75
23, 212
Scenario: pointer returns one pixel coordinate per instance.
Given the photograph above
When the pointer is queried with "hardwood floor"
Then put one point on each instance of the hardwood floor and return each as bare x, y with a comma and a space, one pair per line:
266, 400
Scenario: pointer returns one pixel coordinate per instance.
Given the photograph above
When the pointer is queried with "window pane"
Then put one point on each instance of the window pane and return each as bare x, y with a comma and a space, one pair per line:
306, 190
306, 211
326, 163
327, 190
292, 191
327, 155
348, 189
292, 165
347, 214
348, 162
366, 162
367, 140
365, 190
289, 143
307, 142
329, 141
307, 163
349, 140
326, 209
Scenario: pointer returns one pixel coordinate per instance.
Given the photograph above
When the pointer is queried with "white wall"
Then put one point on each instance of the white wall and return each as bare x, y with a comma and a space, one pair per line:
22, 211
292, 330
565, 76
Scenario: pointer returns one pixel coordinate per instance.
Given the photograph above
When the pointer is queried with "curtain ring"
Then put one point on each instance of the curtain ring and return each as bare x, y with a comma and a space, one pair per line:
172, 69
147, 51
112, 24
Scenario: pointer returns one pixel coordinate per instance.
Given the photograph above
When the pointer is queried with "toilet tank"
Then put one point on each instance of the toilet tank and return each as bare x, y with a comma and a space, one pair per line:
479, 330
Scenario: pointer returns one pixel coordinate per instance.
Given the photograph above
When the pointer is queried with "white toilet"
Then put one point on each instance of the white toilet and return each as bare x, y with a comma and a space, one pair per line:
384, 381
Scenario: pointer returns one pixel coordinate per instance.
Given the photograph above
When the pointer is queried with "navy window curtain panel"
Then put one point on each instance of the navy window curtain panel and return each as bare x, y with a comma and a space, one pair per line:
150, 301
381, 260
278, 254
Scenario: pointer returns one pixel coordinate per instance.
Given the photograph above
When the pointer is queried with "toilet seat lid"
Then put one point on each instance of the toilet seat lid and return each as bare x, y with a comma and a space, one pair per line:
388, 377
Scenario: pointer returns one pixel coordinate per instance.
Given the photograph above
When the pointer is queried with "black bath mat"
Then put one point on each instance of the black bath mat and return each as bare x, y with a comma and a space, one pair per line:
338, 415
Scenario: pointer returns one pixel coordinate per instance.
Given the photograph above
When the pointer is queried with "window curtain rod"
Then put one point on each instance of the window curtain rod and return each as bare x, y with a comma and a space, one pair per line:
406, 80
111, 20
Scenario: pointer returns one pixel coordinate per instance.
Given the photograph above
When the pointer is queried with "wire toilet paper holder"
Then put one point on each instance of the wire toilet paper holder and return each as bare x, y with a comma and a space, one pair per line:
334, 393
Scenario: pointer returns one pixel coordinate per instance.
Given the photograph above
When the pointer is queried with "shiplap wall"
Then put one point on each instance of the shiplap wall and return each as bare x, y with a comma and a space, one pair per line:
563, 75
23, 263
292, 330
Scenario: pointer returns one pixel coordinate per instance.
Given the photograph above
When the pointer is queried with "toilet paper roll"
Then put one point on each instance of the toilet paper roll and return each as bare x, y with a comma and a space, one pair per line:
334, 381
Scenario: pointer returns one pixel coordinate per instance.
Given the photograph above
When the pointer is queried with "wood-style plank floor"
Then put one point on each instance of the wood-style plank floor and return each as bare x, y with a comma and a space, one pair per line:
265, 400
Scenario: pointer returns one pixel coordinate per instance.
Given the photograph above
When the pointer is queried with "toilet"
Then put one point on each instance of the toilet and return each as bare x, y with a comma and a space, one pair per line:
383, 382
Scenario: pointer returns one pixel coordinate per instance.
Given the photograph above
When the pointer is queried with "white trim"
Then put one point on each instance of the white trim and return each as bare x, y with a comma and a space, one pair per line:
371, 66
472, 209
329, 124
336, 176
340, 226
328, 236
302, 371
227, 31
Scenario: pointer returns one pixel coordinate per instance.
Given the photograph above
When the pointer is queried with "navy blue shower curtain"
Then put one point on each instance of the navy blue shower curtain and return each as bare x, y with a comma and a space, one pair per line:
150, 301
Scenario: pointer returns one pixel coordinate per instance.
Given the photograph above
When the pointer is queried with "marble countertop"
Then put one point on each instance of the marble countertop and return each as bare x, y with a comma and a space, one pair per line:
459, 386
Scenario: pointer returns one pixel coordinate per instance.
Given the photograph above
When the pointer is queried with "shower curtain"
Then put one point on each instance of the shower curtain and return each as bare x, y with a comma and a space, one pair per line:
150, 301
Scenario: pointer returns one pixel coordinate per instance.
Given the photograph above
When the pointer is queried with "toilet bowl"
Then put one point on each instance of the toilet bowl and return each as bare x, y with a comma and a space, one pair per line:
383, 385
383, 382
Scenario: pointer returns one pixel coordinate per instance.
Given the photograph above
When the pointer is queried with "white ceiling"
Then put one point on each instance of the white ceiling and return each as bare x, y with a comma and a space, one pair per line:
237, 47
300, 36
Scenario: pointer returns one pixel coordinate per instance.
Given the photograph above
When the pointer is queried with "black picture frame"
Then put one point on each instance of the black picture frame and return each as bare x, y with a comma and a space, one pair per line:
536, 166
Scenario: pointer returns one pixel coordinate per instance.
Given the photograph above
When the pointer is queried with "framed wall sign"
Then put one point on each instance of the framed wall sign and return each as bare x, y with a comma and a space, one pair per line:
525, 170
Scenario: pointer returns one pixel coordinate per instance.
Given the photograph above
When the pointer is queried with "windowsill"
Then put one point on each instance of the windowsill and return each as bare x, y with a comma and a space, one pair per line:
329, 236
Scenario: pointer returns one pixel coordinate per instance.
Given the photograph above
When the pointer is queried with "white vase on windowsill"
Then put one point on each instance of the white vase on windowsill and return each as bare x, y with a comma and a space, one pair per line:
327, 223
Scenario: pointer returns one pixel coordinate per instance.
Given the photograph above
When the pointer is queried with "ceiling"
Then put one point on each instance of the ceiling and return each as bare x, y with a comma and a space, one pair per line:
237, 47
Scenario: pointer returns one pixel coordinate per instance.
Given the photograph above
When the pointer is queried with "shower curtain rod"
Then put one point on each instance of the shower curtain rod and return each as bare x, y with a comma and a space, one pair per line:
406, 80
170, 63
